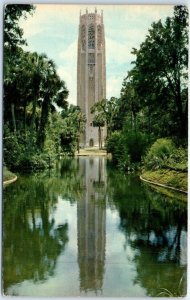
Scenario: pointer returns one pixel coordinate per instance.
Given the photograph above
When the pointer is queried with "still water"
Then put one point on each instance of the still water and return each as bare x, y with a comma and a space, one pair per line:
84, 229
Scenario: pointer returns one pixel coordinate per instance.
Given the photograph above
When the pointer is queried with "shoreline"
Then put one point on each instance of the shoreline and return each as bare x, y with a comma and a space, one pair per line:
91, 152
163, 185
169, 179
6, 182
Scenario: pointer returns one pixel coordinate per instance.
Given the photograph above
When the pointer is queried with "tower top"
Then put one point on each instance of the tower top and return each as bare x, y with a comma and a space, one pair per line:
84, 17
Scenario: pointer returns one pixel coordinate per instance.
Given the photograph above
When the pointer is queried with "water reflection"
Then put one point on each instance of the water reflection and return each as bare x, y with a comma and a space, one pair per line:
86, 229
91, 222
32, 241
155, 227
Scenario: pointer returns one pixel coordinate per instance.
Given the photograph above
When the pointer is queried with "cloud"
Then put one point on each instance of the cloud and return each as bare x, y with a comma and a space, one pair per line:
114, 84
68, 69
69, 54
147, 12
68, 75
115, 52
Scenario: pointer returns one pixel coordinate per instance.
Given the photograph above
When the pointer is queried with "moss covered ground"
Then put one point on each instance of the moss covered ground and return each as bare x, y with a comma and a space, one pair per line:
168, 177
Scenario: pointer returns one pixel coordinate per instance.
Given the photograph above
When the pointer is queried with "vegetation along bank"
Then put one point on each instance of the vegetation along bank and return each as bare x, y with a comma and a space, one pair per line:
146, 125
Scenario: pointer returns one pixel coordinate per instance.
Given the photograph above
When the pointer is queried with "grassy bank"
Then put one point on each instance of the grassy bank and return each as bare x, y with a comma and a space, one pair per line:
91, 151
167, 177
7, 175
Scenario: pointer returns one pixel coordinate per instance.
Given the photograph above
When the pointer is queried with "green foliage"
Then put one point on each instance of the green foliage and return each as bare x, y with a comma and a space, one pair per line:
136, 142
116, 146
127, 148
20, 152
33, 161
73, 126
32, 90
153, 102
158, 152
164, 154
178, 159
168, 177
12, 32
106, 111
161, 71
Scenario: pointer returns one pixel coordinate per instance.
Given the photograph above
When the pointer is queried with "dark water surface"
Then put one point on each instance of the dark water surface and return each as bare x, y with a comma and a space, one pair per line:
85, 229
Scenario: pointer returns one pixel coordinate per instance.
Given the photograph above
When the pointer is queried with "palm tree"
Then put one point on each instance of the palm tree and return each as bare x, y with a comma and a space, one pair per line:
53, 92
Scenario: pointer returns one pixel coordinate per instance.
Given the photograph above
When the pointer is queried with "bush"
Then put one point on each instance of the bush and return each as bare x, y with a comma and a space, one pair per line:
136, 142
178, 159
117, 147
20, 152
164, 154
127, 148
158, 152
33, 162
11, 149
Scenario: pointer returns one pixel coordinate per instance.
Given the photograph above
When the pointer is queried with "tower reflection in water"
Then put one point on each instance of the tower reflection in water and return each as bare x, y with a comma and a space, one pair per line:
91, 224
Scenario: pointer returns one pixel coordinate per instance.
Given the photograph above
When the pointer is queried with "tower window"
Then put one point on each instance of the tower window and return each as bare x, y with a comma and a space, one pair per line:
99, 36
83, 37
91, 37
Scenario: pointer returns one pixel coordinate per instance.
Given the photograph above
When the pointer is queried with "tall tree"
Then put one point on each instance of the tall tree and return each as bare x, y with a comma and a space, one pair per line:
53, 91
161, 67
13, 34
129, 102
13, 37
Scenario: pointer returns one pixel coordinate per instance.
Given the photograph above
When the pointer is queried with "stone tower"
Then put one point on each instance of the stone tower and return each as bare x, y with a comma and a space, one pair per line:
91, 72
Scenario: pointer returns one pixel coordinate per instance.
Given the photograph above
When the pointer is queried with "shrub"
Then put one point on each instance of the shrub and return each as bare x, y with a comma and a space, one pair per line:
127, 148
20, 152
33, 162
164, 154
178, 159
117, 147
136, 143
11, 149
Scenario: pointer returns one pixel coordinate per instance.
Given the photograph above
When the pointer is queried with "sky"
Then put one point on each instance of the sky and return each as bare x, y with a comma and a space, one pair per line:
53, 29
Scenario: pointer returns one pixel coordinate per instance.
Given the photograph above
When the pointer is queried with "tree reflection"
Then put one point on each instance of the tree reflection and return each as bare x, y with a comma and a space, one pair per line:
31, 240
155, 228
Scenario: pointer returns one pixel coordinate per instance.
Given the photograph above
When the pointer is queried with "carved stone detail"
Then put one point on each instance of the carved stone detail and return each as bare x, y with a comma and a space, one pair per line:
91, 36
91, 58
99, 37
83, 37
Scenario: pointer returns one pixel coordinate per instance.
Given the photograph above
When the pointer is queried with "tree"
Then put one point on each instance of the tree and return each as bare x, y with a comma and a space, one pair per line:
12, 54
74, 125
32, 91
129, 102
51, 88
106, 111
12, 32
99, 122
160, 72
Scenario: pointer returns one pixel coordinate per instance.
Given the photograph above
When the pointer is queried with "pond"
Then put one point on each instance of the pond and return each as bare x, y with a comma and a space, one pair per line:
85, 229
